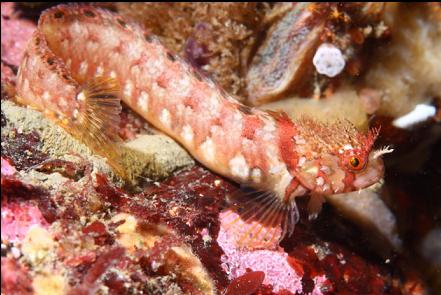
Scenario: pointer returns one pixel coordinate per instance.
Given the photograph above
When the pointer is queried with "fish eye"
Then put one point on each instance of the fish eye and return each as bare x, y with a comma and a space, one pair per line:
356, 163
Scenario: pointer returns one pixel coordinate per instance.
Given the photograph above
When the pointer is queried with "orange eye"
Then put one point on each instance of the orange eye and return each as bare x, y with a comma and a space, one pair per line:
356, 163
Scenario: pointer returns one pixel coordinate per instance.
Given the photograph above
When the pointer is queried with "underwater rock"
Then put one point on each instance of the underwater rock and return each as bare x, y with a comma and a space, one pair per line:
152, 156
155, 156
368, 210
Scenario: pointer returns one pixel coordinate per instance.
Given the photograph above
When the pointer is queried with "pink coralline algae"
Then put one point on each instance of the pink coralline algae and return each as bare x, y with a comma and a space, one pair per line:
7, 168
15, 34
17, 217
273, 263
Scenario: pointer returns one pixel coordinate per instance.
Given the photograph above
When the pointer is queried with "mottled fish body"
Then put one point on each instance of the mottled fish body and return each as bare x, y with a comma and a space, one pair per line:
82, 59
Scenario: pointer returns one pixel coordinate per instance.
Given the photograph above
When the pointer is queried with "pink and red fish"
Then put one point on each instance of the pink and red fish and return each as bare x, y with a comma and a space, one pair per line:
82, 60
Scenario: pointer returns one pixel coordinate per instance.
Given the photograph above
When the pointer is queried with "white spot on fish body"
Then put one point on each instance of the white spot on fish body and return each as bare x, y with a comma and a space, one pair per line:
81, 96
46, 96
76, 30
143, 101
256, 175
302, 161
187, 134
320, 181
267, 132
165, 118
238, 167
112, 74
208, 149
128, 88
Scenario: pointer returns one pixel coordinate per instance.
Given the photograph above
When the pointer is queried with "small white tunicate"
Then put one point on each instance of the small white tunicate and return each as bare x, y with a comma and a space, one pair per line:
328, 60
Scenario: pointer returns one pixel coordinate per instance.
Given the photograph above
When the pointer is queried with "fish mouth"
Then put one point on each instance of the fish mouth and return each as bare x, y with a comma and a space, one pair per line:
370, 175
